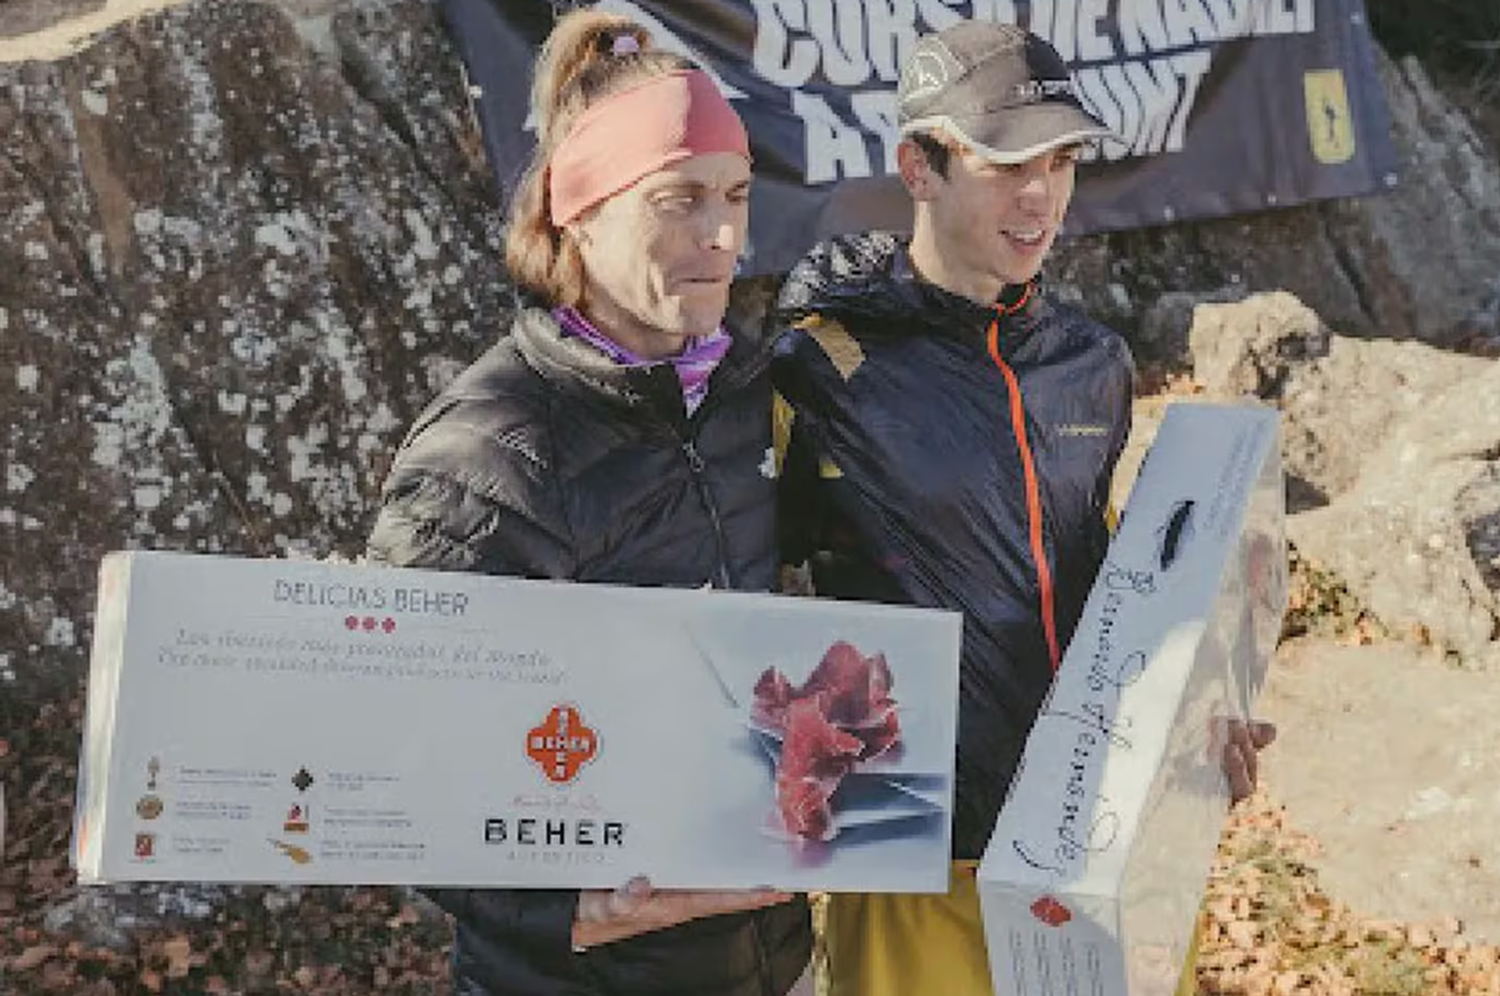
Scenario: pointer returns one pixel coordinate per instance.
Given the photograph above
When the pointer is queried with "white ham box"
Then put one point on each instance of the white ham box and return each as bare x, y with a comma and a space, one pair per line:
1092, 880
299, 721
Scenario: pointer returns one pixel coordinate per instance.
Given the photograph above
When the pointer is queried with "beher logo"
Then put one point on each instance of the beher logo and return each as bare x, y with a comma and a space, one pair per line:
562, 745
1051, 912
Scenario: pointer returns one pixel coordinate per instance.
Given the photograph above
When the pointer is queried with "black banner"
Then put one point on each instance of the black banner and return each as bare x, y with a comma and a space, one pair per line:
1222, 106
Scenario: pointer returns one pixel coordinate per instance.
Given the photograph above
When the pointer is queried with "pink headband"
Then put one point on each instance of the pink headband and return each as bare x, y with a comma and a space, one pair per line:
638, 131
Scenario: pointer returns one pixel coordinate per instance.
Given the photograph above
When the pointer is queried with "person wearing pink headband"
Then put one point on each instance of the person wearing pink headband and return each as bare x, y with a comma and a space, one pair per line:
615, 433
635, 208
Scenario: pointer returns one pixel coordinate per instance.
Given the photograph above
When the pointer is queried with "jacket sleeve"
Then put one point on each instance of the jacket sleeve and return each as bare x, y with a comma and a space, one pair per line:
457, 499
450, 504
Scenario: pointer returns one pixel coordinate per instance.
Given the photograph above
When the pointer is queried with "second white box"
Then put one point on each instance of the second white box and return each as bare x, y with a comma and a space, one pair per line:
1093, 878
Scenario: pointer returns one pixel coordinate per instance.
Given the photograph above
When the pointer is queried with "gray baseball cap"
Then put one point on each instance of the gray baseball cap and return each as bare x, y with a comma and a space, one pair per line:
999, 89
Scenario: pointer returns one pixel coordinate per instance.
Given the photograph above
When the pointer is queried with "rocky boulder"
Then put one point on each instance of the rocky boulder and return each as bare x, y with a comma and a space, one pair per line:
1393, 455
1417, 535
240, 246
238, 250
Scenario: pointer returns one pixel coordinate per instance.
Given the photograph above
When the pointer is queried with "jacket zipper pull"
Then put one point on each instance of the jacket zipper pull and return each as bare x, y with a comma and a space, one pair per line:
697, 466
694, 458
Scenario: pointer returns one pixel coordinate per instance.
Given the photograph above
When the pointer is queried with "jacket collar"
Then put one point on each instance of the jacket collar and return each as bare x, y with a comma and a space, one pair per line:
573, 364
869, 280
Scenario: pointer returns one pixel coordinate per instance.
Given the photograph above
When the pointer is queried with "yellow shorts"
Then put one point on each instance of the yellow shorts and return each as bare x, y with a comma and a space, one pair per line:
900, 945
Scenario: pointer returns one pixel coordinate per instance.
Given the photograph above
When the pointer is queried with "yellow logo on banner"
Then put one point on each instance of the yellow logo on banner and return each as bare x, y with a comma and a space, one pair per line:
1330, 126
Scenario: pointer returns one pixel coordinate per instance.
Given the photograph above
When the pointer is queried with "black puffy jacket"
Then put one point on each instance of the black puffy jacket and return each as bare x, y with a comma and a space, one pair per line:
546, 460
924, 468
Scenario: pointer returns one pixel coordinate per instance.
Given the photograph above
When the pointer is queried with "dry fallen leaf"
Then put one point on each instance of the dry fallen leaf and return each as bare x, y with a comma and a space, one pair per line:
1420, 937
1286, 983
259, 962
405, 917
1243, 934
179, 954
33, 958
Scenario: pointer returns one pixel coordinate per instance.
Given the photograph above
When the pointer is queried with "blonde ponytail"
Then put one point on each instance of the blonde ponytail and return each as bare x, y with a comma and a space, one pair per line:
578, 65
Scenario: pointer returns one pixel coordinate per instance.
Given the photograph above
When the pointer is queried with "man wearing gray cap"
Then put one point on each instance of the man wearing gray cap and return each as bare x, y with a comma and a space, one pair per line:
948, 436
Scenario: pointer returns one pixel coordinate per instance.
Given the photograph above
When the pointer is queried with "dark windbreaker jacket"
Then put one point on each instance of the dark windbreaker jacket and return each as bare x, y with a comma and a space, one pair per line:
546, 460
951, 455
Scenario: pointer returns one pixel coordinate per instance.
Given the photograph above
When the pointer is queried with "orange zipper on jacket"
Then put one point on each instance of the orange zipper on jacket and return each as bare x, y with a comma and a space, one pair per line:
1033, 488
